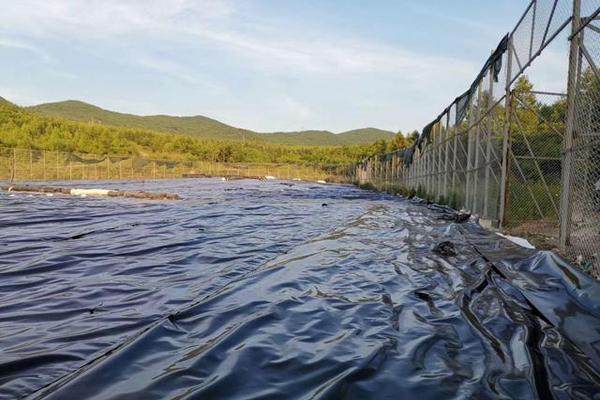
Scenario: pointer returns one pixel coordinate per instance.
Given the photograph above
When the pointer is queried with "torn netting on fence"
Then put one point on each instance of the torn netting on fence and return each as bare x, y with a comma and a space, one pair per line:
408, 155
75, 158
426, 134
461, 106
71, 157
493, 63
141, 163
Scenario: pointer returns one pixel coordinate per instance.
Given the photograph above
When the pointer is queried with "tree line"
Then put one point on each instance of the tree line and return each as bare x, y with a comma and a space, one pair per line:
538, 125
20, 128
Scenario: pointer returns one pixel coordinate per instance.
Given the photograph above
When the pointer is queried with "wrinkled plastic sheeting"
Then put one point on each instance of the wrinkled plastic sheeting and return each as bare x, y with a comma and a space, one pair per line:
256, 290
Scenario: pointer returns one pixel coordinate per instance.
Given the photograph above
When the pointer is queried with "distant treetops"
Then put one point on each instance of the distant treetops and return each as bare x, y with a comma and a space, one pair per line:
22, 128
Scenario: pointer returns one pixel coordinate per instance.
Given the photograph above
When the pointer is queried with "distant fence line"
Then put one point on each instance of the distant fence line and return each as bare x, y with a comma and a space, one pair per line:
42, 165
524, 160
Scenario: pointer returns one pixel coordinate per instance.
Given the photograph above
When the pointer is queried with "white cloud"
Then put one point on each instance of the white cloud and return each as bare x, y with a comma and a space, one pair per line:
129, 32
10, 43
207, 21
176, 70
107, 17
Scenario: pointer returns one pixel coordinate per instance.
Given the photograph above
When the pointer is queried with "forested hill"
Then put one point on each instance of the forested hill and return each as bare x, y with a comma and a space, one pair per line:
21, 128
204, 127
326, 138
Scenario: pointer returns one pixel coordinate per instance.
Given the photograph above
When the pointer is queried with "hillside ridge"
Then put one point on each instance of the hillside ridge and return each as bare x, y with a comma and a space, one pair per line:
204, 127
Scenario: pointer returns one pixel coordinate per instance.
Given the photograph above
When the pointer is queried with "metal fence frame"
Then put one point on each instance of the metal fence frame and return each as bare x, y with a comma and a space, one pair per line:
475, 155
45, 165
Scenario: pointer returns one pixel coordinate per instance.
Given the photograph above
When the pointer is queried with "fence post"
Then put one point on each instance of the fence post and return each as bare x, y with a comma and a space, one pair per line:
446, 155
488, 145
434, 161
469, 156
416, 166
426, 169
506, 137
395, 163
390, 167
431, 163
441, 165
387, 173
567, 159
14, 166
430, 166
454, 153
423, 162
478, 117
421, 172
437, 159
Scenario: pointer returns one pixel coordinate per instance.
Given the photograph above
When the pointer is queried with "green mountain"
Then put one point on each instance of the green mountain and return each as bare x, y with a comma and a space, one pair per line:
23, 129
204, 127
193, 126
326, 138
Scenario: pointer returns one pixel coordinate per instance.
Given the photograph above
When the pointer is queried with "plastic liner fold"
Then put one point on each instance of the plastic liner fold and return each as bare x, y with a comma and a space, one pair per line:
256, 290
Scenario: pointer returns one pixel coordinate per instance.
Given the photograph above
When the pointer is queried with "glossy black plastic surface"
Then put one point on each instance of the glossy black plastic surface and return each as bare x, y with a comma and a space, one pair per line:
258, 290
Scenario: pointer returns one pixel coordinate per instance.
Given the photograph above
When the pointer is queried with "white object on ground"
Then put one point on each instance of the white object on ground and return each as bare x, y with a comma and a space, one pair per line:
223, 179
89, 192
517, 240
50, 194
321, 181
296, 179
270, 177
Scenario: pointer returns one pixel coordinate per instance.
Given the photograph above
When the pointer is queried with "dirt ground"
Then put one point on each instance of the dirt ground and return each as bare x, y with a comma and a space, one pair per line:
544, 236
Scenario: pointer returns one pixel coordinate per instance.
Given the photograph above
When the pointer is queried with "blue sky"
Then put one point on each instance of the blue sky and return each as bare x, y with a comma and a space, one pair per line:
265, 65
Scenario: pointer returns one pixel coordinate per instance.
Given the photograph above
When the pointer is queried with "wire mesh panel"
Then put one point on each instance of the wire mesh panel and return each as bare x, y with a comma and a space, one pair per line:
539, 25
583, 219
518, 152
537, 130
42, 165
490, 174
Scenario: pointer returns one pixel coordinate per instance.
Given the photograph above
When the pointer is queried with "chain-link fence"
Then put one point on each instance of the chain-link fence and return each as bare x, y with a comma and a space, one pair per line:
41, 165
580, 218
521, 151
